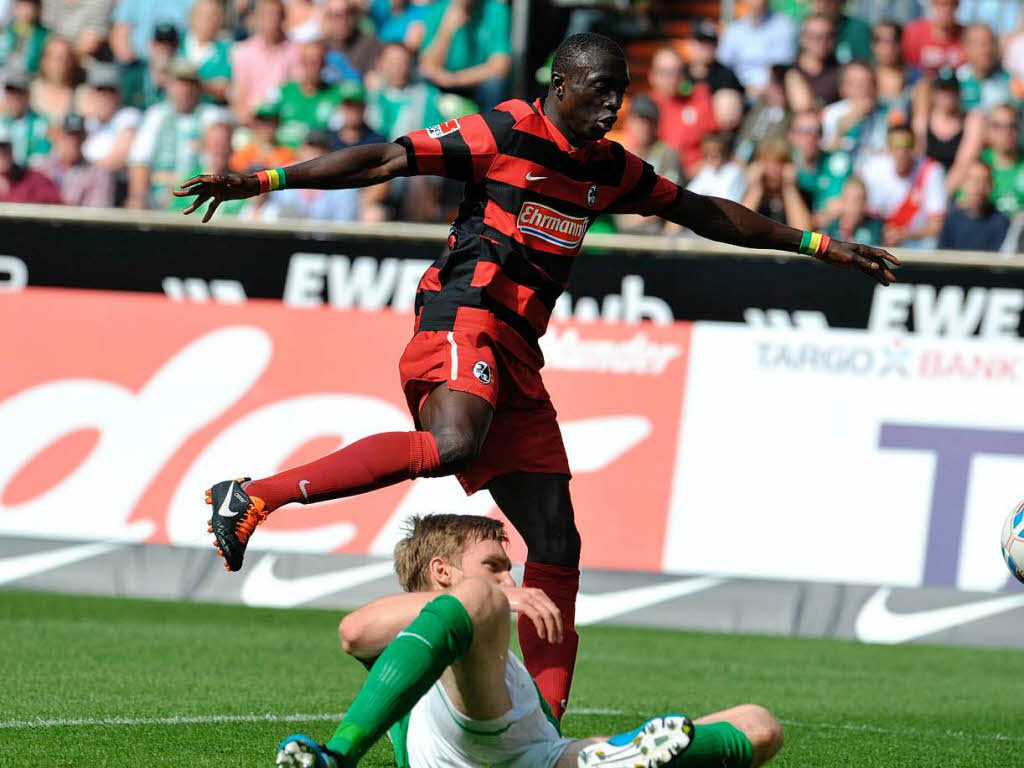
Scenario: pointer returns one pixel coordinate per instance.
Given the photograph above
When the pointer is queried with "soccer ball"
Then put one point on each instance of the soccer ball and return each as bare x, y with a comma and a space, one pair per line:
1012, 542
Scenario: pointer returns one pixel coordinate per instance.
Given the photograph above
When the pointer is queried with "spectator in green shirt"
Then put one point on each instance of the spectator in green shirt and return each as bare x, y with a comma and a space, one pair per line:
818, 174
26, 130
983, 82
851, 221
466, 49
396, 105
21, 42
1003, 156
306, 102
853, 35
143, 82
204, 46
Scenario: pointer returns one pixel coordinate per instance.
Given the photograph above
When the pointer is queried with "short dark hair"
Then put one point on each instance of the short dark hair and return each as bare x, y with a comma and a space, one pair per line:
576, 51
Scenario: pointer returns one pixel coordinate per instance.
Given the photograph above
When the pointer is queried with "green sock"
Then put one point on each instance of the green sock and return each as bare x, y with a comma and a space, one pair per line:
718, 745
414, 660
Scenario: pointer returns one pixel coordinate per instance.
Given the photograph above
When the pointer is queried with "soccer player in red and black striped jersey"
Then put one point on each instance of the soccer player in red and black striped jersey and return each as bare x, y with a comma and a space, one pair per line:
536, 175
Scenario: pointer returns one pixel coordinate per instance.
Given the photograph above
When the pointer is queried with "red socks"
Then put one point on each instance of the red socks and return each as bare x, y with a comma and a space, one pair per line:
551, 665
365, 465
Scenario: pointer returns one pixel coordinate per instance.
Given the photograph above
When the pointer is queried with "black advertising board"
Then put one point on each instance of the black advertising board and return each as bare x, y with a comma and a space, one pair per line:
370, 271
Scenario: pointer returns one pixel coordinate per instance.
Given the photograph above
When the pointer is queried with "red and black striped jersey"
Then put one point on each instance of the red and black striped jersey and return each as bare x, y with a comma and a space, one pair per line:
529, 200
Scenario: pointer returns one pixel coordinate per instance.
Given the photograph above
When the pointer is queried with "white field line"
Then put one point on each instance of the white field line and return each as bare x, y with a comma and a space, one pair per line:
908, 731
74, 722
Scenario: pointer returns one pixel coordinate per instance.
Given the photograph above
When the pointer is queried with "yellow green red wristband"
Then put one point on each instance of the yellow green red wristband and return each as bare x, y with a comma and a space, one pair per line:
814, 244
271, 179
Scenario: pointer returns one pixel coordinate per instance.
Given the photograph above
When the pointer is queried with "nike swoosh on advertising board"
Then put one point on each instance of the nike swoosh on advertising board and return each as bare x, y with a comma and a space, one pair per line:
23, 566
877, 624
262, 587
591, 608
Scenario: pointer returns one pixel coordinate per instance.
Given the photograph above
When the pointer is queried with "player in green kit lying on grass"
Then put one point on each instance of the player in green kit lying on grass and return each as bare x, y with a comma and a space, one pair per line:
443, 684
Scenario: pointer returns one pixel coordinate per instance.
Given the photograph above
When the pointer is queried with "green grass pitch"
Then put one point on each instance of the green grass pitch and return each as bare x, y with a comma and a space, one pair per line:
96, 682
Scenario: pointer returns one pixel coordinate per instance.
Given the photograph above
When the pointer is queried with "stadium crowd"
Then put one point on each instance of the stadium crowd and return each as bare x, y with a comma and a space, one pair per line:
904, 133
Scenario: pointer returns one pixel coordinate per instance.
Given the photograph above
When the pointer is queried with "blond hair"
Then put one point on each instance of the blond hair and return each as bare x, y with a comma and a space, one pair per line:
444, 536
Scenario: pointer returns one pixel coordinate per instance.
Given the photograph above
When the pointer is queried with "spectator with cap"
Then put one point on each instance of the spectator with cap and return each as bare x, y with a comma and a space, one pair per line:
718, 175
317, 204
351, 50
851, 221
907, 191
857, 123
466, 49
79, 182
167, 145
353, 130
18, 183
395, 104
263, 63
110, 124
974, 224
947, 133
86, 23
26, 131
983, 81
752, 44
262, 150
685, 109
306, 102
704, 67
813, 80
135, 21
853, 35
143, 83
56, 91
641, 138
929, 44
205, 46
772, 189
21, 41
1004, 157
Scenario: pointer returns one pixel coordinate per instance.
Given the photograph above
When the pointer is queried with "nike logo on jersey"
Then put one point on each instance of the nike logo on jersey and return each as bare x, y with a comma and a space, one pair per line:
531, 177
877, 624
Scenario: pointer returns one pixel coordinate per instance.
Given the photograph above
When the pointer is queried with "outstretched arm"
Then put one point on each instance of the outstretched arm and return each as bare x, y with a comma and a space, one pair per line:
352, 167
718, 219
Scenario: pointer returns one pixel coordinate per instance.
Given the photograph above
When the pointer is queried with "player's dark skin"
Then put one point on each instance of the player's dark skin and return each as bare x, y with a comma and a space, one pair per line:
583, 104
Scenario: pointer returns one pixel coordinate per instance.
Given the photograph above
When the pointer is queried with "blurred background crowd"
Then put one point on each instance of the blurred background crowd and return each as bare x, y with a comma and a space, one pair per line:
895, 123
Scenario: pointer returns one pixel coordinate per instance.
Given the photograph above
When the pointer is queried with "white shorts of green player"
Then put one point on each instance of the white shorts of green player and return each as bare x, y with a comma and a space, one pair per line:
485, 710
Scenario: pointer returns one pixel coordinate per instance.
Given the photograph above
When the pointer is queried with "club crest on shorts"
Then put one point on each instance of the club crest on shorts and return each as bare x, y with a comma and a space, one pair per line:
592, 195
482, 371
443, 129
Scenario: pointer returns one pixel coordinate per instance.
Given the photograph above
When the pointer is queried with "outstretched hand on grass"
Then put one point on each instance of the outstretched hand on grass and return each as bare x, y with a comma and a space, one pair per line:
217, 187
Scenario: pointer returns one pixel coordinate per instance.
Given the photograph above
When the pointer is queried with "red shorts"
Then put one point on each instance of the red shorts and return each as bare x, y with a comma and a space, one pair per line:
524, 435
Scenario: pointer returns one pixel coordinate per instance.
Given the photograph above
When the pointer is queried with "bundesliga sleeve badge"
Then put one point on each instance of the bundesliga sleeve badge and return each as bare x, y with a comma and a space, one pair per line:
443, 129
592, 195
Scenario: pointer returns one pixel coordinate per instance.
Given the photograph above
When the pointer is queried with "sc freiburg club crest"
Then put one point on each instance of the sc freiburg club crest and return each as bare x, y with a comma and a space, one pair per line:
482, 371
